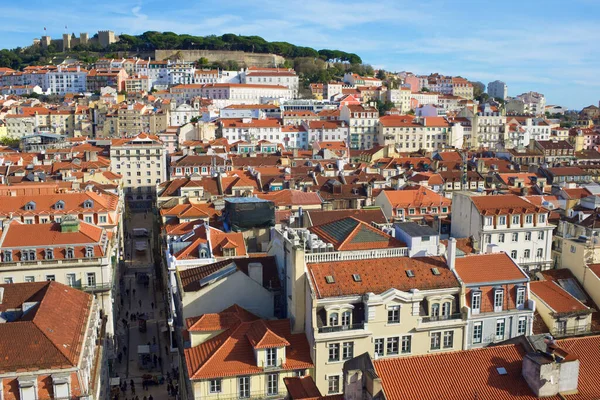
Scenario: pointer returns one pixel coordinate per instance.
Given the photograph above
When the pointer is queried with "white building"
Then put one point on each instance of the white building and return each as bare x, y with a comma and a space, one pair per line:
422, 98
410, 133
362, 121
65, 80
514, 225
181, 73
497, 89
325, 131
534, 102
271, 76
401, 98
183, 113
225, 94
142, 161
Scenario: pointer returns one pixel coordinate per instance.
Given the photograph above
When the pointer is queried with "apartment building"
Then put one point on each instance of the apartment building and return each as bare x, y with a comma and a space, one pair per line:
413, 203
401, 99
490, 127
534, 103
72, 252
131, 119
137, 83
65, 79
326, 131
423, 98
462, 88
497, 90
496, 296
181, 73
362, 121
518, 227
39, 119
271, 76
225, 94
101, 78
410, 133
142, 162
268, 130
51, 339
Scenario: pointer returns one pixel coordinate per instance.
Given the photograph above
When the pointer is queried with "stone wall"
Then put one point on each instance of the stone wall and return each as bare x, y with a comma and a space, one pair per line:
242, 58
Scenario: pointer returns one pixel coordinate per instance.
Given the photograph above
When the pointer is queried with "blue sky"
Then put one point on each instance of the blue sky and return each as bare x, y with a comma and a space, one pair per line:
548, 46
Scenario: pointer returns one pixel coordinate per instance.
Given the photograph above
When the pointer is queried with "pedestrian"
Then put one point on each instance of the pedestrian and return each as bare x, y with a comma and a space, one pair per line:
119, 357
125, 352
133, 292
133, 392
127, 292
169, 389
131, 382
150, 397
145, 398
121, 302
153, 339
140, 303
160, 361
152, 305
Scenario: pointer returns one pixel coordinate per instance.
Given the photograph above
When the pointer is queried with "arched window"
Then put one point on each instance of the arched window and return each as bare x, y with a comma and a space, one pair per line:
203, 253
446, 308
346, 318
333, 319
49, 254
89, 251
70, 252
435, 310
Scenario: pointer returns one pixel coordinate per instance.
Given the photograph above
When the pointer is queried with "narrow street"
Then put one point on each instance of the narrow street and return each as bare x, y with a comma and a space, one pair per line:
143, 346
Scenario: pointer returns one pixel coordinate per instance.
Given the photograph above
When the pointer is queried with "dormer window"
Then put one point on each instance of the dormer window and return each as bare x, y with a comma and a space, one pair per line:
60, 205
49, 254
498, 300
228, 252
70, 253
333, 319
8, 256
520, 297
203, 253
502, 220
30, 206
476, 302
542, 218
89, 251
271, 357
516, 220
88, 204
529, 219
28, 255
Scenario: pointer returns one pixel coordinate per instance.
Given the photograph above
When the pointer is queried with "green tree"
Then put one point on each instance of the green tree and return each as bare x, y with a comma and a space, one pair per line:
381, 74
478, 89
383, 107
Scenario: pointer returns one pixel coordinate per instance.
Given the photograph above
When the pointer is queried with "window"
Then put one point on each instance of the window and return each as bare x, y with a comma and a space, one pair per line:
542, 218
516, 219
477, 332
333, 319
446, 309
513, 254
436, 338
272, 380
476, 302
502, 220
435, 310
515, 237
271, 357
244, 387
393, 314
71, 279
526, 253
444, 209
70, 252
406, 344
501, 238
541, 235
29, 279
498, 300
529, 219
520, 296
573, 250
448, 339
522, 326
8, 256
215, 385
500, 329
346, 318
489, 221
50, 278
89, 251
91, 279
334, 352
487, 239
49, 254
333, 384
8, 280
411, 211
378, 347
347, 350
528, 236
88, 219
392, 345
539, 253
103, 219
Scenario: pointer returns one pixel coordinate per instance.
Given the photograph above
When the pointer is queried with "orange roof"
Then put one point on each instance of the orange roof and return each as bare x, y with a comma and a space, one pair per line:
504, 204
302, 388
380, 275
418, 197
469, 374
218, 240
231, 352
291, 197
484, 268
46, 203
50, 335
555, 297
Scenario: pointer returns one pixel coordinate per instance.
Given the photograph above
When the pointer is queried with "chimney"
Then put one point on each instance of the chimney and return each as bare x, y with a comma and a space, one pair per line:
255, 272
552, 372
451, 253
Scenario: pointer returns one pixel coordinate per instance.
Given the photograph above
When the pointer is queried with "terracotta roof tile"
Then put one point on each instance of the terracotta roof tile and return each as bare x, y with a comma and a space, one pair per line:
484, 268
302, 388
556, 298
290, 197
504, 204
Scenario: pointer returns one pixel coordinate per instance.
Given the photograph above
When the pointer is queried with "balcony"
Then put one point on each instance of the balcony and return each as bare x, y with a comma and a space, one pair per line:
442, 317
262, 394
341, 328
98, 288
441, 321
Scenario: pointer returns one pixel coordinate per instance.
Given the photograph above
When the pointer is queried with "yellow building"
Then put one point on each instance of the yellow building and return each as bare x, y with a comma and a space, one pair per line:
235, 354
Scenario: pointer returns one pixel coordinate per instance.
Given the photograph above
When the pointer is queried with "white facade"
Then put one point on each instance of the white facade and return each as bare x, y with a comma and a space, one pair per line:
362, 122
423, 98
225, 94
182, 114
525, 237
287, 78
67, 80
401, 98
181, 73
497, 89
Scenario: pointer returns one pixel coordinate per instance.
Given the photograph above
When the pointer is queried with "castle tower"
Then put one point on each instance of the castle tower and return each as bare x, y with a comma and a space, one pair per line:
105, 38
66, 42
83, 38
45, 41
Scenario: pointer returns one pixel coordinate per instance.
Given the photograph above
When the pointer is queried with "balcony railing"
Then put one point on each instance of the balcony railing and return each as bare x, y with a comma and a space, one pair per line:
100, 287
259, 394
571, 331
341, 328
355, 255
442, 317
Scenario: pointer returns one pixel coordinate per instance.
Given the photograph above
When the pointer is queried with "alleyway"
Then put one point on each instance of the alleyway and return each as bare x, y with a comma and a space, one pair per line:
145, 354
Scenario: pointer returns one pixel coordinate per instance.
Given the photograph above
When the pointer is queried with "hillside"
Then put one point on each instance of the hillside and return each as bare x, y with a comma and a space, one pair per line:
150, 41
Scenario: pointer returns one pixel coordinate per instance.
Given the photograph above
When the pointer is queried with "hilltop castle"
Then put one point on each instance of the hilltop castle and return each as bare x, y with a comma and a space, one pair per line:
68, 41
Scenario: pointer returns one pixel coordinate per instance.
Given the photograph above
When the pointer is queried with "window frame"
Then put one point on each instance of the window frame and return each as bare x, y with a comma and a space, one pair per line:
392, 342
347, 350
333, 352
500, 323
406, 344
244, 392
379, 344
477, 336
435, 341
216, 386
271, 357
393, 314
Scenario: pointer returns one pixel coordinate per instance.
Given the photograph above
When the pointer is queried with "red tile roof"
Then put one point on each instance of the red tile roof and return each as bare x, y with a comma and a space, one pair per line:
556, 298
320, 217
302, 388
291, 197
50, 335
469, 374
418, 196
232, 353
380, 275
351, 234
504, 204
483, 268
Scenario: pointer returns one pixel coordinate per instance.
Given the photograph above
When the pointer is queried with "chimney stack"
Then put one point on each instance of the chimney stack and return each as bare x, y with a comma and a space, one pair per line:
451, 254
255, 272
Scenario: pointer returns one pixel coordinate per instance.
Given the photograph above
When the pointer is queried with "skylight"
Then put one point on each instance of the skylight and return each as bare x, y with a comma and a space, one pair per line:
435, 271
501, 371
329, 279
356, 278
410, 273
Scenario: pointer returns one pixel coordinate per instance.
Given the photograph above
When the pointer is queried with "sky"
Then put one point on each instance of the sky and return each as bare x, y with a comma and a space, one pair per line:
551, 46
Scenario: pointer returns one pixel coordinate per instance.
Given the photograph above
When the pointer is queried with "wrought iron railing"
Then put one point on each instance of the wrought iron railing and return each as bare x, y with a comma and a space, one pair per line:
341, 328
442, 317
